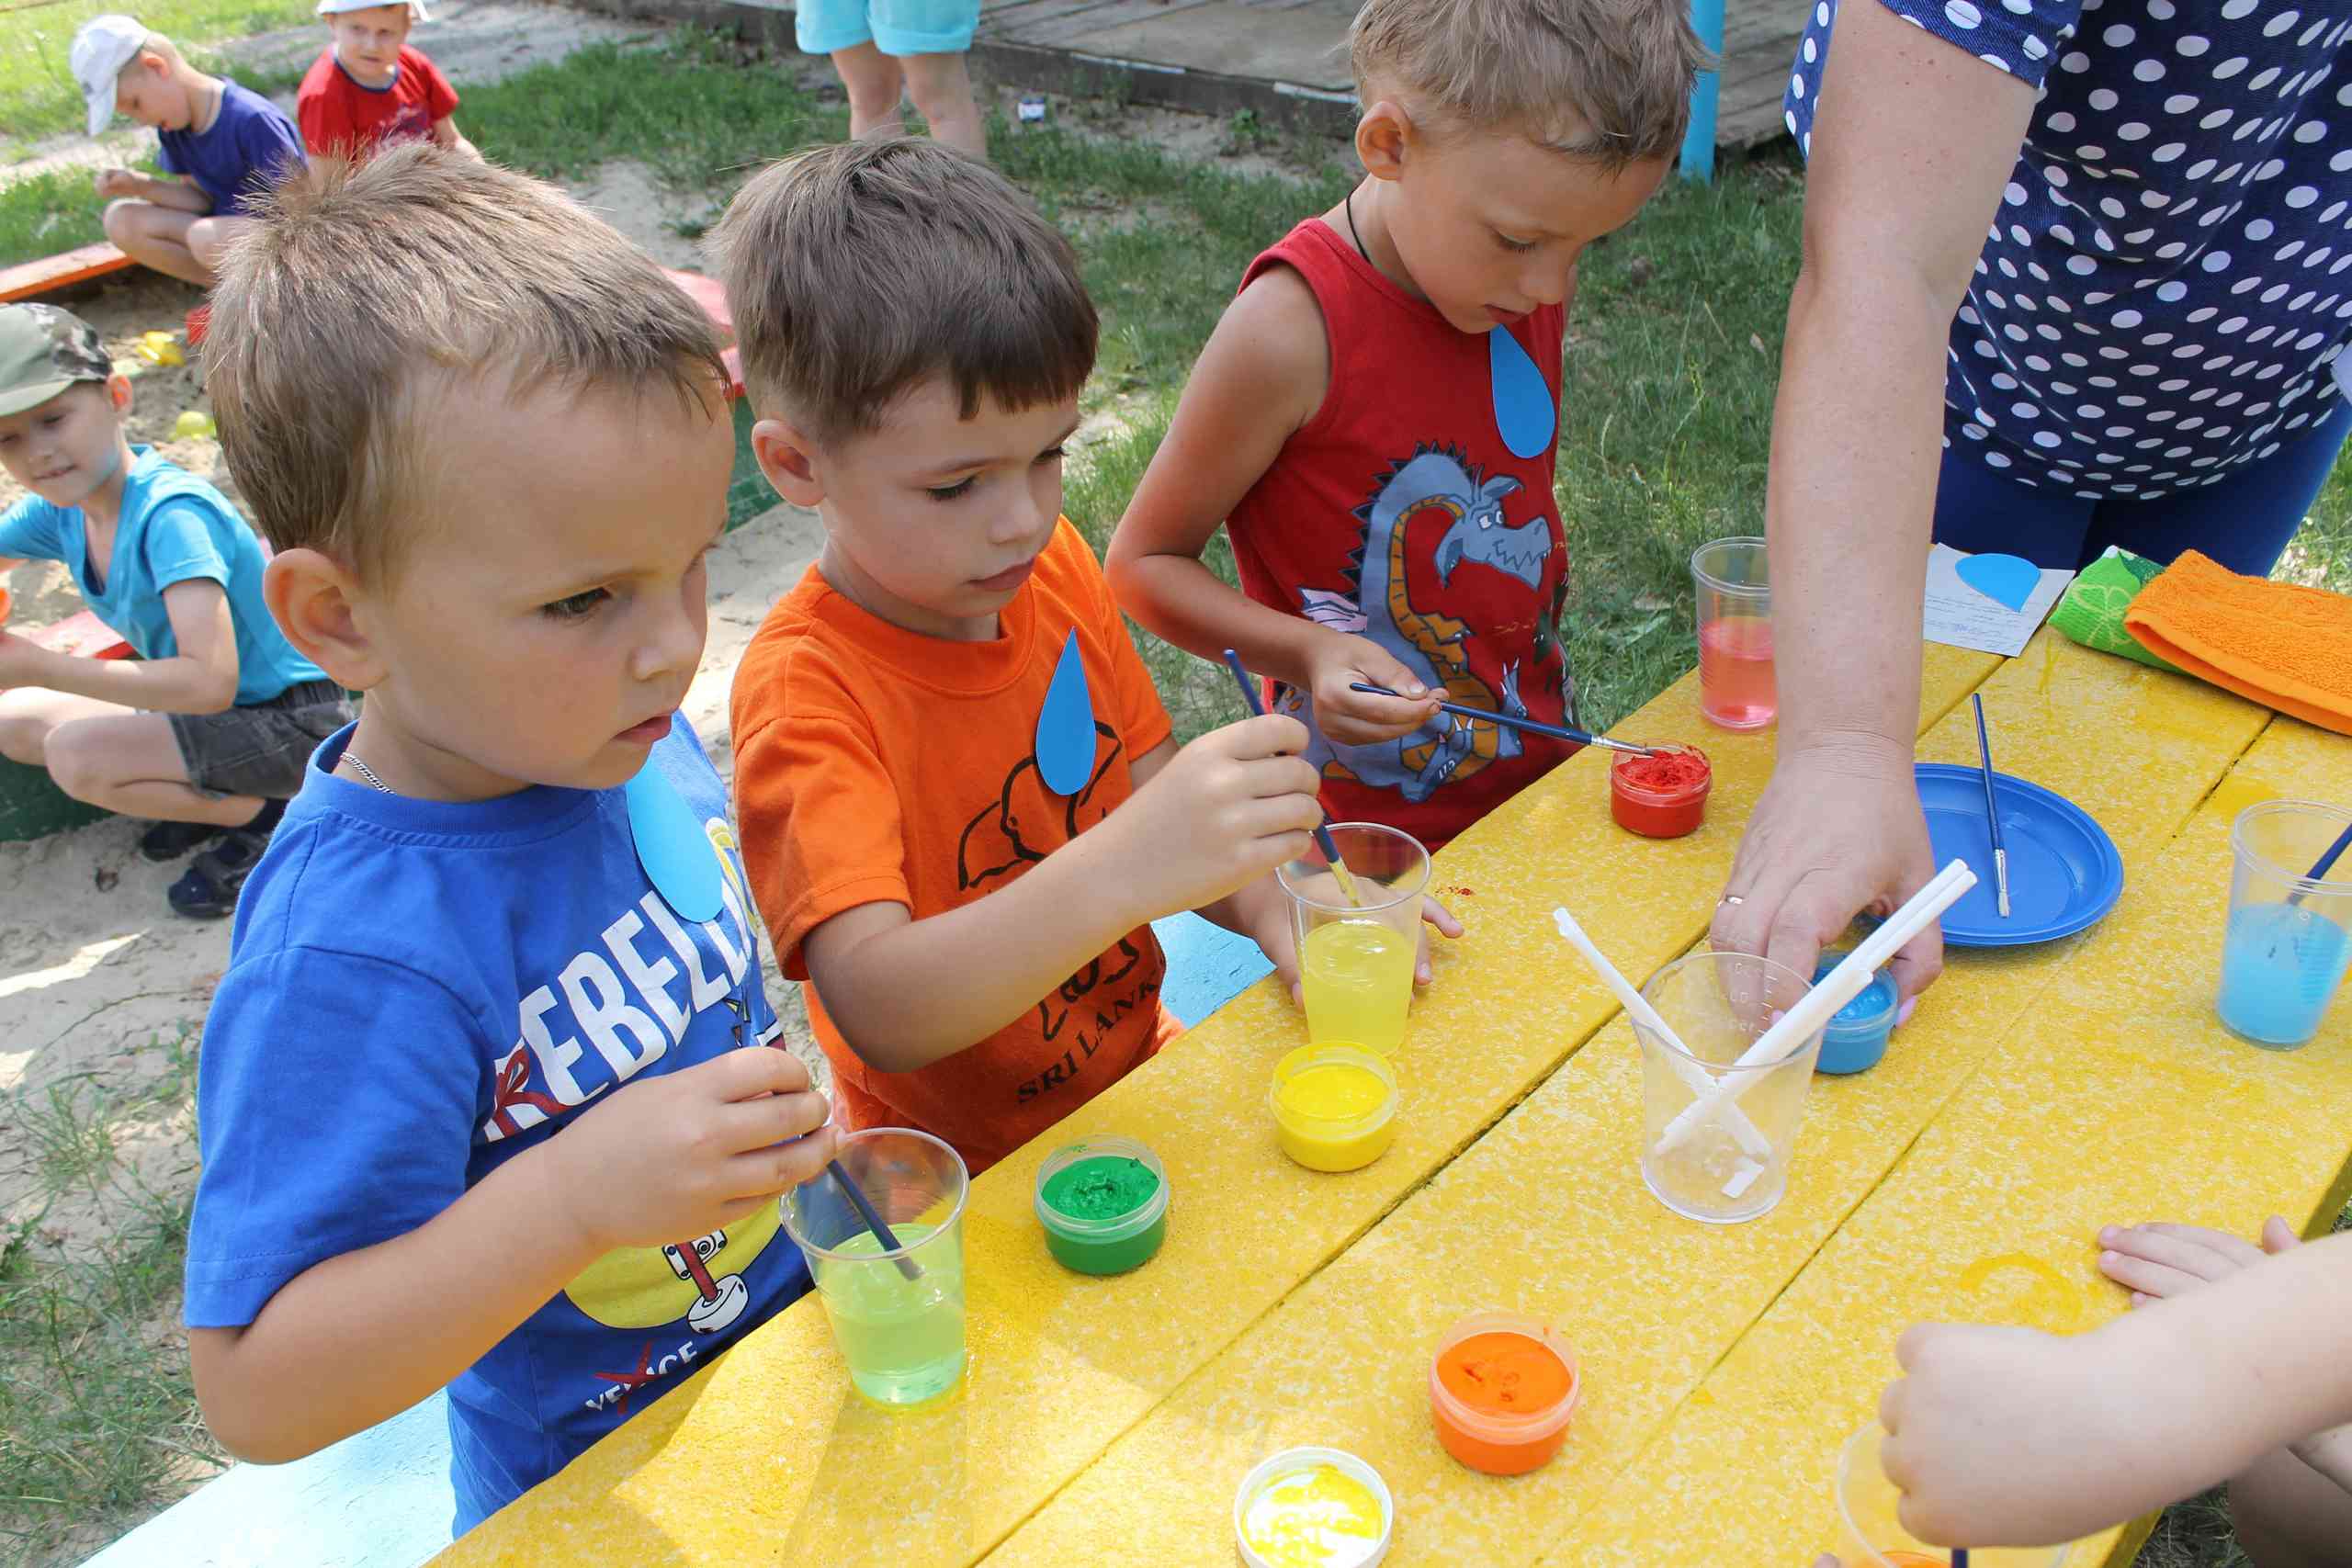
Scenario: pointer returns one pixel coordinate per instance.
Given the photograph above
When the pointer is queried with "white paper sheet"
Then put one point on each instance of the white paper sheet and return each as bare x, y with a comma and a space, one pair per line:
1959, 616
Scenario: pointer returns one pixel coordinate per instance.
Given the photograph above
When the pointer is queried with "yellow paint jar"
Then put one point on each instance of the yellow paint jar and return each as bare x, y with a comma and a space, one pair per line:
1334, 1105
1313, 1508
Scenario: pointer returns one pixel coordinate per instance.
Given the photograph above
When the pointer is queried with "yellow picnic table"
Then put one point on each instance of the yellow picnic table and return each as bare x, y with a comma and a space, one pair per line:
2037, 1094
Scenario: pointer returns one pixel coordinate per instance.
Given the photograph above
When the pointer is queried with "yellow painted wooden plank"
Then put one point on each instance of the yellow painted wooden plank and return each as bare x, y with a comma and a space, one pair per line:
1546, 1214
769, 1451
2122, 1100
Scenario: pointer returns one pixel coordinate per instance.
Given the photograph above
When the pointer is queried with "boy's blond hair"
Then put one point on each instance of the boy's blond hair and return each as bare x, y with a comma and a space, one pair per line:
1537, 68
857, 271
370, 291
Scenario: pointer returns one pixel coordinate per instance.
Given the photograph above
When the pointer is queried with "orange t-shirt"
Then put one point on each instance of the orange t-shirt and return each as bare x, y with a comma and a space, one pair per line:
875, 764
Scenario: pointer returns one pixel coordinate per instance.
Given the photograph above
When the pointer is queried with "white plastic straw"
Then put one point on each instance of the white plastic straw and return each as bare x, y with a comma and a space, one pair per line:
1751, 1142
1840, 986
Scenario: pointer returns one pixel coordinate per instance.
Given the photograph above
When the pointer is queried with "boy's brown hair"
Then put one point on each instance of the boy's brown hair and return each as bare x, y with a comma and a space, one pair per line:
368, 292
856, 271
1623, 68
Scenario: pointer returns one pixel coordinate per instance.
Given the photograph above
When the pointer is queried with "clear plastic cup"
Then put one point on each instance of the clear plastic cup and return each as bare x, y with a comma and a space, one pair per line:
2289, 936
1356, 960
1874, 1535
902, 1337
1734, 585
1730, 1163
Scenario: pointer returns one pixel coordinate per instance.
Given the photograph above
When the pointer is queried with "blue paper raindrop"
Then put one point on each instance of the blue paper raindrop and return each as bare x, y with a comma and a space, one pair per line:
1066, 726
1525, 415
677, 853
2005, 580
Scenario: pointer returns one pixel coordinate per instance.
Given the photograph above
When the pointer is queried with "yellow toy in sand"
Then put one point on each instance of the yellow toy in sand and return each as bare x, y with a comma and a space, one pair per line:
193, 424
161, 348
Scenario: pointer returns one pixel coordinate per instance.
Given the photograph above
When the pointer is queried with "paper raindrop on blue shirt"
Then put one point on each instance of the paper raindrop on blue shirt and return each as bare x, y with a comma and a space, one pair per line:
677, 853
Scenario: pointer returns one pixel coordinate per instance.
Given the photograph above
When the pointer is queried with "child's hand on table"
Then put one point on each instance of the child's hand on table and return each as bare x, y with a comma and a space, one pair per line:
1359, 718
1990, 1431
1224, 812
1265, 920
2155, 1262
692, 1151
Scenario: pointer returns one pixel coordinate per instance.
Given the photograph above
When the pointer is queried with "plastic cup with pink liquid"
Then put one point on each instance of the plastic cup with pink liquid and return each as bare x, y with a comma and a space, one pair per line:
1735, 583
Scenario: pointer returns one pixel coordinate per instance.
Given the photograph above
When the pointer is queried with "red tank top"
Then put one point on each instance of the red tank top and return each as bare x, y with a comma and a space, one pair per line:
1400, 514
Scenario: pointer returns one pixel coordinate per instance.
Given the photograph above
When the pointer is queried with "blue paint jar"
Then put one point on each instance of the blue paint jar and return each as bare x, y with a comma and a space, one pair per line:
1856, 1037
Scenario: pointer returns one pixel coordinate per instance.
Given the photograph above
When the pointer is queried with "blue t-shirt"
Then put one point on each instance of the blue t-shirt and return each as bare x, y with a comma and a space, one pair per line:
2169, 273
247, 148
174, 527
419, 991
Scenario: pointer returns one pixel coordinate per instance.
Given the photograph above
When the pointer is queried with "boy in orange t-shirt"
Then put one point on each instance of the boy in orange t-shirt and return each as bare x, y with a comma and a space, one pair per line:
968, 898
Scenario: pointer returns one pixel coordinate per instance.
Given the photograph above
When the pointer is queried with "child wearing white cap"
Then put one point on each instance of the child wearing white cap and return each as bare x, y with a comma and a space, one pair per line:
230, 142
370, 89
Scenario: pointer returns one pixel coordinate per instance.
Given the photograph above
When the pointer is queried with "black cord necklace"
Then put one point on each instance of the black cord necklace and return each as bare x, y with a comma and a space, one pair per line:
1350, 203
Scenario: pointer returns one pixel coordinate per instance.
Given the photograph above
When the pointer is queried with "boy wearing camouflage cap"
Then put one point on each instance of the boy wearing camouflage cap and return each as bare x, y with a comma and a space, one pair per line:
208, 728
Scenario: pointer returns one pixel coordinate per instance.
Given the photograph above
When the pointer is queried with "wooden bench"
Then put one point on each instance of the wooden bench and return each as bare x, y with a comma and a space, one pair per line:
31, 280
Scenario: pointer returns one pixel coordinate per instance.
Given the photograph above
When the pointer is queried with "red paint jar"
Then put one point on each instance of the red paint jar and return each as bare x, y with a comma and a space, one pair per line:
1663, 796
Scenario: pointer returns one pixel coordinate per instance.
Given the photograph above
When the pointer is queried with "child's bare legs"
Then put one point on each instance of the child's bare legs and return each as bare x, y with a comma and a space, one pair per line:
2290, 1516
875, 85
942, 89
209, 240
158, 237
115, 757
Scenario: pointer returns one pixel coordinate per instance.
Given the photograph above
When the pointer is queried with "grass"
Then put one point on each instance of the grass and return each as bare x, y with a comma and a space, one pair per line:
1668, 387
97, 1415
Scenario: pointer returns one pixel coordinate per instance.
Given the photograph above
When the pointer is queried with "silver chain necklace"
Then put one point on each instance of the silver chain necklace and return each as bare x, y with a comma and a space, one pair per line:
366, 771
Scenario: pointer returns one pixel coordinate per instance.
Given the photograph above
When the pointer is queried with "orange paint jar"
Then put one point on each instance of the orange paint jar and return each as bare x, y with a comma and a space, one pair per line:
1501, 1391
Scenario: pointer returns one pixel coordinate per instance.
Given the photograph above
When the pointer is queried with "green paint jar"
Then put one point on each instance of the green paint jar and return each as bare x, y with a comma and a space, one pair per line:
1104, 1206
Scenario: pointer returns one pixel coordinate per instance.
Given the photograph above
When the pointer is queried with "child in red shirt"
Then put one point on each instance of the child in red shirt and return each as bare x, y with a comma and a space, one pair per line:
369, 89
1373, 421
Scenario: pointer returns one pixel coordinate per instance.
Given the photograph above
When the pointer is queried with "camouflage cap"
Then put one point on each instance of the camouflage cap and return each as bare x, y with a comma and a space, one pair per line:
44, 350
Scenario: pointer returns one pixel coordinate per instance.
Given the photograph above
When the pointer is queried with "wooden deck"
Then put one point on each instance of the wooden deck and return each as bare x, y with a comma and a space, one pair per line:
1220, 55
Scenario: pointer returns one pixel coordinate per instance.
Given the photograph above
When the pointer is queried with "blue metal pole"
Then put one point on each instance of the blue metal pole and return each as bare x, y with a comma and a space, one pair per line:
1699, 142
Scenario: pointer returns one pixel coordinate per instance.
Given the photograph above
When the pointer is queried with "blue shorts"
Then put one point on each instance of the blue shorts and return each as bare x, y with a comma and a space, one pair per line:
2243, 522
896, 27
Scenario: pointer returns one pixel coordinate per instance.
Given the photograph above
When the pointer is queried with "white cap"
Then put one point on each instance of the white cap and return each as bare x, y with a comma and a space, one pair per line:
102, 47
331, 8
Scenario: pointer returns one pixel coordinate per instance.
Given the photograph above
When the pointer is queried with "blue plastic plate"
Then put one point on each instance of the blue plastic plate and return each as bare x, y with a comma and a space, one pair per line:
2064, 874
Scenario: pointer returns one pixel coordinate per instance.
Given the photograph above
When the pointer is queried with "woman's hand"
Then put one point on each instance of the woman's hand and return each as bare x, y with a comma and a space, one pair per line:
1836, 833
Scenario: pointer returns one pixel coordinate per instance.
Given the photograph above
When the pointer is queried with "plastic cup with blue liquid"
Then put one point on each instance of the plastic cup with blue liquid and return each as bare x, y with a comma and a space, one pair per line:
2289, 935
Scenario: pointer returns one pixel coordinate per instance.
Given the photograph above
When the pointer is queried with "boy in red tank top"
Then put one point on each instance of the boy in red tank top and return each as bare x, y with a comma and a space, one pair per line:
1374, 419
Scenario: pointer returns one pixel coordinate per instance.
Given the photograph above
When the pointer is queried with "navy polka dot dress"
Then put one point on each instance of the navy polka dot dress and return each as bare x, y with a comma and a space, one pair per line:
2169, 277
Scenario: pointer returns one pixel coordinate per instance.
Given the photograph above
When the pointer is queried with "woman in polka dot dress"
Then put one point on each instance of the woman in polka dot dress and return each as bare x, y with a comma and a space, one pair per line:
2077, 273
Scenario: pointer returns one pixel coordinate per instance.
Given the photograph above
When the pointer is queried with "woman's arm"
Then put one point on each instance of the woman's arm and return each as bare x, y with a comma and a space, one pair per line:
1898, 202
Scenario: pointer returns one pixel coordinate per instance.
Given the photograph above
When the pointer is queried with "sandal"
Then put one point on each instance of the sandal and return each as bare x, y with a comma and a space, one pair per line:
209, 889
166, 841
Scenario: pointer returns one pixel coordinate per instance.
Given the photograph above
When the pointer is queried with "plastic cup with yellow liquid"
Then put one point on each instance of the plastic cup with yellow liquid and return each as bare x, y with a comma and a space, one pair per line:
1356, 959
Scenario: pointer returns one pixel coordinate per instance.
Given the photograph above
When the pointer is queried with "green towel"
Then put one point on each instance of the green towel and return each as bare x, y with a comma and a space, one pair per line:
2091, 612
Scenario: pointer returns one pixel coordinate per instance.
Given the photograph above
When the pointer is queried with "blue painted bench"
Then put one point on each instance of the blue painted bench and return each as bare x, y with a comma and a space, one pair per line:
381, 1499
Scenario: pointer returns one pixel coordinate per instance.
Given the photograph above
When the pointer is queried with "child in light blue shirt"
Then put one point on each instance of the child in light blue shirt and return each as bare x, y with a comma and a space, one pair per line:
208, 730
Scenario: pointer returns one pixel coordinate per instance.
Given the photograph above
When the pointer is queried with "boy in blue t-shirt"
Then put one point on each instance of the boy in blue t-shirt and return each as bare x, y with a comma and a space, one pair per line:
476, 1105
208, 728
230, 142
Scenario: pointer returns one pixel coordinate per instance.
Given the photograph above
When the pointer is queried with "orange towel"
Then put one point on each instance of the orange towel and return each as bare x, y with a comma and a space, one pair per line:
2283, 645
